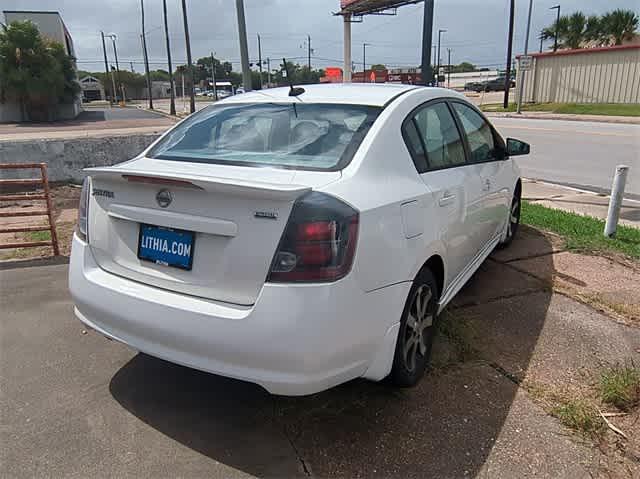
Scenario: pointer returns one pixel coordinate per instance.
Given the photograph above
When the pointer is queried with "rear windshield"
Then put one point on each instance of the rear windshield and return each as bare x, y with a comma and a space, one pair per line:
293, 135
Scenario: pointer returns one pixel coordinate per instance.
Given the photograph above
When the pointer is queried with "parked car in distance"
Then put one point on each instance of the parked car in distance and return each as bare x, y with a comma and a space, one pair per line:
297, 238
497, 84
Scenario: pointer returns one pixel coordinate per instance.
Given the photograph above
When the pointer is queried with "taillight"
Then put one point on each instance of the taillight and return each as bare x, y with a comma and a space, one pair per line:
319, 241
82, 227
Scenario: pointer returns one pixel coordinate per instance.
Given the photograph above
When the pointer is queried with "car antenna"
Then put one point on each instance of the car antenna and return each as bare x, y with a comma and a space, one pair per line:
293, 90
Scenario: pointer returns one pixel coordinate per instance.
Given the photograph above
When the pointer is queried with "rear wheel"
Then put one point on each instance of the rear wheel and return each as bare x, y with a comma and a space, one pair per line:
417, 330
513, 221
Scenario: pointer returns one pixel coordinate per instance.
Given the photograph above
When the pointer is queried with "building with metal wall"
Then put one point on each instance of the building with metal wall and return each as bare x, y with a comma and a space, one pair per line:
588, 75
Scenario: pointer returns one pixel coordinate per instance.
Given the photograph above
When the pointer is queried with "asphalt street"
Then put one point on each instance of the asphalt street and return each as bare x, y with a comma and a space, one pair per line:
576, 153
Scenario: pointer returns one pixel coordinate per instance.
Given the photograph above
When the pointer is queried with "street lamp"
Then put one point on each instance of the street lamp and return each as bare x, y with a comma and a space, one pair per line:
555, 42
364, 61
440, 32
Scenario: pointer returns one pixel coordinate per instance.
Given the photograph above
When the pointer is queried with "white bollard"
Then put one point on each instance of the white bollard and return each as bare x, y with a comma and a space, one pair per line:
615, 202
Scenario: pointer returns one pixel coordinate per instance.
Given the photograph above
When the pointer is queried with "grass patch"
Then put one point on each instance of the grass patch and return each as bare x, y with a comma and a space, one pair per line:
39, 235
580, 416
606, 109
582, 233
620, 387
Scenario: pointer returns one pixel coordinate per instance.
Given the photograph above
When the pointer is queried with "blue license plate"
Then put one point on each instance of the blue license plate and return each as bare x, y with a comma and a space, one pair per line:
166, 246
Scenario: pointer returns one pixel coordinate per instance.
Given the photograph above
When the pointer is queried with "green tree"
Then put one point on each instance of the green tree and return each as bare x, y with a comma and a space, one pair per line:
378, 67
159, 75
619, 25
572, 30
464, 67
34, 72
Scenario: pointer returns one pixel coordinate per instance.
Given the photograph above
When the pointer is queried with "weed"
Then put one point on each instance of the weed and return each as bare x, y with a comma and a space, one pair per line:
620, 386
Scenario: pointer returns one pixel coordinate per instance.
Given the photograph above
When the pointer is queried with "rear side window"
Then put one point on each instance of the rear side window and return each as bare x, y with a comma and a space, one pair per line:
479, 134
432, 132
292, 135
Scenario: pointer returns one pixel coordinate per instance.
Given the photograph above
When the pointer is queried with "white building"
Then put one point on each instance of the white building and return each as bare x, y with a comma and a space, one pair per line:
92, 89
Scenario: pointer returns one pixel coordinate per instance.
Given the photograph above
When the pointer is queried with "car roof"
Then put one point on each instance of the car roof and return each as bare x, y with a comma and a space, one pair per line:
373, 94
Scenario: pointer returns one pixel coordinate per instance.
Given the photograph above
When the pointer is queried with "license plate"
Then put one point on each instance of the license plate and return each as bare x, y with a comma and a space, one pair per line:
166, 246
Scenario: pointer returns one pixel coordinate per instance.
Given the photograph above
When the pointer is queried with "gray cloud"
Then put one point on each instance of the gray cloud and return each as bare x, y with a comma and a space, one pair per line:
476, 30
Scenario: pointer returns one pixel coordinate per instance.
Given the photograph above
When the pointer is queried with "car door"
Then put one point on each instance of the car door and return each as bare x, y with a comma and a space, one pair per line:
438, 150
487, 155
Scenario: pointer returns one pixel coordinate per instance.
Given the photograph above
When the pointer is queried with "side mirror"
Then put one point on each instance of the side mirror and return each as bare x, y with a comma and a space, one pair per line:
517, 147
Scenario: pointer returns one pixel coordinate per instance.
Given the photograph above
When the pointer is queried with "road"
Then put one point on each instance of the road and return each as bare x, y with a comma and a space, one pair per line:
576, 153
92, 119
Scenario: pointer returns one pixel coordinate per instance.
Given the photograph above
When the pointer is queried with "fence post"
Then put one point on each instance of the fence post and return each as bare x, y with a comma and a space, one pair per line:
615, 202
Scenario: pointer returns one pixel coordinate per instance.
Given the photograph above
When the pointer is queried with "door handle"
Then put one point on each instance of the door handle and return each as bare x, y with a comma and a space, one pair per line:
447, 199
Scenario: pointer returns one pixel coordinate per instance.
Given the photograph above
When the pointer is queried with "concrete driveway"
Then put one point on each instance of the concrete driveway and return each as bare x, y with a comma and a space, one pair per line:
77, 405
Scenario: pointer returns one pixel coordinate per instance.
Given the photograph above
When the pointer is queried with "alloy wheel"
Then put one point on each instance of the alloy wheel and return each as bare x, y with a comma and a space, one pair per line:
514, 217
419, 319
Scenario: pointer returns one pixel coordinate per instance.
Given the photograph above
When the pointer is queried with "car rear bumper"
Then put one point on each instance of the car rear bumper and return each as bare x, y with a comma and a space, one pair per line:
296, 339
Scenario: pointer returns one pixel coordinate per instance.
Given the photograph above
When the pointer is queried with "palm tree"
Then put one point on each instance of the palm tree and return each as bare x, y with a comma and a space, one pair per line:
572, 30
594, 31
619, 25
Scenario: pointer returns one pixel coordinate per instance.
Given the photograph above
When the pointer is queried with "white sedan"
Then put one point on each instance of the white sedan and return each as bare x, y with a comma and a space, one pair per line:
297, 238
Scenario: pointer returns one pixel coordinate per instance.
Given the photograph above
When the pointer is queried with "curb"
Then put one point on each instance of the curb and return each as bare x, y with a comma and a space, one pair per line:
159, 113
631, 120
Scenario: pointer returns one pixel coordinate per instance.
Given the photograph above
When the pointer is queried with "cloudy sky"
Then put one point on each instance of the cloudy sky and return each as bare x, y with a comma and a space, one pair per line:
476, 30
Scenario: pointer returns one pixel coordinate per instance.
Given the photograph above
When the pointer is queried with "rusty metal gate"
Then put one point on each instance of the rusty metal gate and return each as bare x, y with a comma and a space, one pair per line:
45, 196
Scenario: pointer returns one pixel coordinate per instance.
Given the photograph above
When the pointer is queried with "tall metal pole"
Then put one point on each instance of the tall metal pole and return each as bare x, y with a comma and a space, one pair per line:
260, 60
507, 80
192, 94
213, 78
244, 50
364, 62
449, 68
541, 41
309, 53
146, 54
526, 51
346, 74
555, 41
172, 106
269, 72
440, 32
106, 65
427, 33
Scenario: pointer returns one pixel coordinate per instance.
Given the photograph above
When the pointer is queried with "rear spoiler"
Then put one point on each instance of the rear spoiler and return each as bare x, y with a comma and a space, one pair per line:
230, 186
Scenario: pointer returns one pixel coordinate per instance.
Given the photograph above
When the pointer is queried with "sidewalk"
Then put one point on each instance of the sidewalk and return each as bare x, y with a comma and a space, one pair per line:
543, 115
577, 201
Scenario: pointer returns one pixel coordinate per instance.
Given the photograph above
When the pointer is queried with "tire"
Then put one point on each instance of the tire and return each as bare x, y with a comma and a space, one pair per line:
417, 331
513, 221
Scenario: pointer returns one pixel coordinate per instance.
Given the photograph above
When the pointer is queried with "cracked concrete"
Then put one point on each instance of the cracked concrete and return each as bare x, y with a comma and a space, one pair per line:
76, 405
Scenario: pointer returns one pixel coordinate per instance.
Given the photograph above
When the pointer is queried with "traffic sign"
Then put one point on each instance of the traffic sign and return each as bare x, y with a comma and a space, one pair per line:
525, 62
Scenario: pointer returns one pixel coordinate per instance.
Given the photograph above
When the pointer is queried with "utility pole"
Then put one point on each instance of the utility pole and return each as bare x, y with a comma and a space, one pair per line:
132, 69
526, 51
364, 61
449, 68
146, 57
309, 53
260, 60
115, 54
192, 95
555, 41
172, 106
213, 78
507, 80
269, 71
440, 32
106, 65
427, 32
541, 41
244, 50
